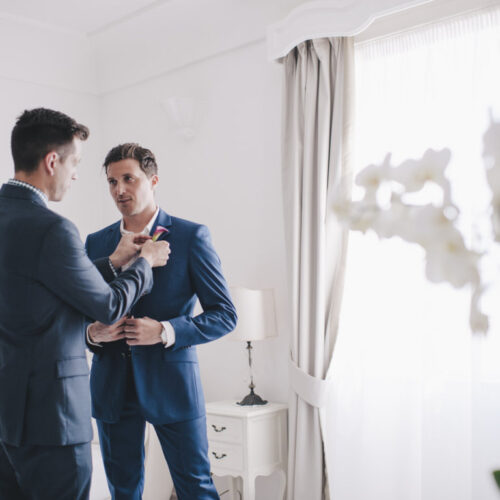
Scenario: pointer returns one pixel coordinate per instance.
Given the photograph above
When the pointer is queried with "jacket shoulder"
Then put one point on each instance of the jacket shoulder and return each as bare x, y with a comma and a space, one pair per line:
45, 219
99, 234
185, 225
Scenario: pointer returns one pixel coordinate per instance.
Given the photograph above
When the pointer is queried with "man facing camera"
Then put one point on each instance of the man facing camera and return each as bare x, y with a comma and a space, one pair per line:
47, 288
145, 366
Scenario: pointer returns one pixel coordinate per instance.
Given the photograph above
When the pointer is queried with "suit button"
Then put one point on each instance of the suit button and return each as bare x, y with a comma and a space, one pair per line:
123, 355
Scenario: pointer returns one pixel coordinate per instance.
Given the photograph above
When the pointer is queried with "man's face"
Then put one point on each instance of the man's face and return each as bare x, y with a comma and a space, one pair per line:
130, 187
65, 171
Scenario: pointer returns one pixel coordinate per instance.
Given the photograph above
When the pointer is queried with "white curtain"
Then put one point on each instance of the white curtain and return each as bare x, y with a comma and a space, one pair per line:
316, 158
415, 410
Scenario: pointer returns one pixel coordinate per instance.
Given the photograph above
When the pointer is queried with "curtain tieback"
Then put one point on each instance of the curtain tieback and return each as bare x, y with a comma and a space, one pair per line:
313, 390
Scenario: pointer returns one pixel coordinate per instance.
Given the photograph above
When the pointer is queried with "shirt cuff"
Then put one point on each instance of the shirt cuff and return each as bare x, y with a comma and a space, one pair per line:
169, 332
113, 268
89, 341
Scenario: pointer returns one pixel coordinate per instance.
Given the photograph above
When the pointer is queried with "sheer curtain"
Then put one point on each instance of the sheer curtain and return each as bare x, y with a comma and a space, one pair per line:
415, 412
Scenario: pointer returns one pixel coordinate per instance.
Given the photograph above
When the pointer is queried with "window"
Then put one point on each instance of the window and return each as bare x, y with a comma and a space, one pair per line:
417, 397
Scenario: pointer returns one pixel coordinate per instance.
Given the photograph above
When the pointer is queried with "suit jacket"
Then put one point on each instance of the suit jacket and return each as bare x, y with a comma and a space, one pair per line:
167, 380
47, 286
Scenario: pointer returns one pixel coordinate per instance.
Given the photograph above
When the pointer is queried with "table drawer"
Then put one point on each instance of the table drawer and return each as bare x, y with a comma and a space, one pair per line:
222, 428
225, 456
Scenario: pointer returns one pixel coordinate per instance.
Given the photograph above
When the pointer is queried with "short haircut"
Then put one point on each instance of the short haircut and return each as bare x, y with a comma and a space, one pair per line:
131, 150
39, 131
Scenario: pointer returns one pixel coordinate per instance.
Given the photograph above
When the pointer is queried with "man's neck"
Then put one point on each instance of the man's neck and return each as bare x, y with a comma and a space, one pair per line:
33, 179
136, 223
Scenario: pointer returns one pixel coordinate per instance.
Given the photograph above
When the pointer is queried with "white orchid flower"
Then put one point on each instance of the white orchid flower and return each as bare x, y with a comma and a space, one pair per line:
479, 322
355, 215
372, 176
394, 221
363, 221
429, 224
449, 260
413, 174
433, 227
363, 216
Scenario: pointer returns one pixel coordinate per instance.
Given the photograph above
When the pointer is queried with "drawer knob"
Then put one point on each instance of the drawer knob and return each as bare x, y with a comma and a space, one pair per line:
218, 457
218, 429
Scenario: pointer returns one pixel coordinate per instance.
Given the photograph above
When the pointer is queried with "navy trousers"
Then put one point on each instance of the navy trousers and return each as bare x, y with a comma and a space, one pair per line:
184, 446
45, 472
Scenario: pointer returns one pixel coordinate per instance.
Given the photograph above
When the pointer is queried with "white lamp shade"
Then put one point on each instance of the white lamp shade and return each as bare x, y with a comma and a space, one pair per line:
256, 314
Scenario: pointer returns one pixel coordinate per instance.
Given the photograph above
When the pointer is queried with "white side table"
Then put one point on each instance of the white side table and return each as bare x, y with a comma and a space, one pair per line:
248, 441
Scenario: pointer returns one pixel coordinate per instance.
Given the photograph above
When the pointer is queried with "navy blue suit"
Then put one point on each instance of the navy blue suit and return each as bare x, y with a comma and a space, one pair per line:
47, 288
131, 385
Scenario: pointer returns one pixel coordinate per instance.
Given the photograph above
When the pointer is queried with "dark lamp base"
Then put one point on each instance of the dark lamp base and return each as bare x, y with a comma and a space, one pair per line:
252, 399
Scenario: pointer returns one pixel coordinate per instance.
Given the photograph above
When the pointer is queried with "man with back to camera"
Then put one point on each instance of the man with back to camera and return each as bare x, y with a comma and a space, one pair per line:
145, 367
47, 287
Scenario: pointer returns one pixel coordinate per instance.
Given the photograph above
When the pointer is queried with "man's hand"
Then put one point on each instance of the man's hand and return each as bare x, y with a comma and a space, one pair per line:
130, 245
156, 253
99, 332
142, 331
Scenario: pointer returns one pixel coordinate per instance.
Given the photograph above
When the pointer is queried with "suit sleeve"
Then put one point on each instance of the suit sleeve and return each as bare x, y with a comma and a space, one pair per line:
102, 265
219, 315
65, 269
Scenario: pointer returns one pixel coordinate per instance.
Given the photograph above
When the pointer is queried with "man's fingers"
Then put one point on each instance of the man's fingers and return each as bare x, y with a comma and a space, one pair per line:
129, 328
132, 323
117, 327
118, 324
113, 330
140, 239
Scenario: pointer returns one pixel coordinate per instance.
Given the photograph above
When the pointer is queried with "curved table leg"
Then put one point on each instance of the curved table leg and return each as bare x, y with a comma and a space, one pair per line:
248, 488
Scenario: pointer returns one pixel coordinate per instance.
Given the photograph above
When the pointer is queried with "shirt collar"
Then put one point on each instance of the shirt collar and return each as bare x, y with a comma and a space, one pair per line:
147, 229
41, 194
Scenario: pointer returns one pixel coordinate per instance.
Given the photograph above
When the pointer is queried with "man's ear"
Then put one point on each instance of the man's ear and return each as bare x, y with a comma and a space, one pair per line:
49, 162
154, 180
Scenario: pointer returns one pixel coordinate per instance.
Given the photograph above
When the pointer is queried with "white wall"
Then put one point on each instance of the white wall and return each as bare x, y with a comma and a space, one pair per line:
48, 55
174, 34
43, 68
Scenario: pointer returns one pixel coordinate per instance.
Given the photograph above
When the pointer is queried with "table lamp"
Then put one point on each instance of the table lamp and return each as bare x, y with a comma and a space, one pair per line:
256, 321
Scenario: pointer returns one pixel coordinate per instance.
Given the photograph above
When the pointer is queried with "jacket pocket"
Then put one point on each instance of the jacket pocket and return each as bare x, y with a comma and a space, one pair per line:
72, 367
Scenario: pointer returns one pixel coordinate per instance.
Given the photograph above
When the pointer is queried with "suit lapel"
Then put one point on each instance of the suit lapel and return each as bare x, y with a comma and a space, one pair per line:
112, 238
164, 220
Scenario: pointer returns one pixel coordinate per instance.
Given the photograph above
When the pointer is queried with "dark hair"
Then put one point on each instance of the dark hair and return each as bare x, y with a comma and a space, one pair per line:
131, 150
39, 131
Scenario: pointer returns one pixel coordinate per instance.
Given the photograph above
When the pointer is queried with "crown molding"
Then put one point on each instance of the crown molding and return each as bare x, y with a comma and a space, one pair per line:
328, 19
34, 23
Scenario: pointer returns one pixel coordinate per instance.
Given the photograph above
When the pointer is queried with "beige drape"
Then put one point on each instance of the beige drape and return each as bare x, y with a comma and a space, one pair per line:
318, 117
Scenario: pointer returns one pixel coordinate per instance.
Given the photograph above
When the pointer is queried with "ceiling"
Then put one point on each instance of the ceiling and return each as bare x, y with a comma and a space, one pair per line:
84, 17
94, 41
